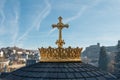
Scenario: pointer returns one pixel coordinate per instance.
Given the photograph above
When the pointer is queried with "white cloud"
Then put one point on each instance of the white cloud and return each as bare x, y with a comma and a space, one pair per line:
79, 13
2, 30
51, 31
1, 44
36, 24
2, 17
9, 24
15, 21
82, 11
2, 4
107, 38
43, 15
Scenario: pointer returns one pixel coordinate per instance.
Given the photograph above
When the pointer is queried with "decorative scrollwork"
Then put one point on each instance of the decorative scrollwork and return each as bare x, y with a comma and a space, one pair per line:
60, 54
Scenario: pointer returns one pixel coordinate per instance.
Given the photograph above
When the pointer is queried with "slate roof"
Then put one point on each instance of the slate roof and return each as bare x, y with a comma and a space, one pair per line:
59, 71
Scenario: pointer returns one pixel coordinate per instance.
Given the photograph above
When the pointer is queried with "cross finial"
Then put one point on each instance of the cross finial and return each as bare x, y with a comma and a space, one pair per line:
60, 26
60, 19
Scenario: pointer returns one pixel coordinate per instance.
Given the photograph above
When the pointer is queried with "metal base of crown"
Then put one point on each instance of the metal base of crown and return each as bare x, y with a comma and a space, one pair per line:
60, 54
61, 60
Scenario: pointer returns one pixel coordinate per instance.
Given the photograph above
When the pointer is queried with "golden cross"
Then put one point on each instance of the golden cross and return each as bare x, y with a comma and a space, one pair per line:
60, 26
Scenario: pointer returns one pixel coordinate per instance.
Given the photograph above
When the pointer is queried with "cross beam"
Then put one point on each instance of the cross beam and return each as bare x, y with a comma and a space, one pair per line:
60, 26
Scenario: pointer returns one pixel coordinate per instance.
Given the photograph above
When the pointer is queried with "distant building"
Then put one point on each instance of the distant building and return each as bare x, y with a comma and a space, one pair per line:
27, 52
103, 59
3, 63
112, 52
117, 61
1, 53
91, 53
113, 58
14, 51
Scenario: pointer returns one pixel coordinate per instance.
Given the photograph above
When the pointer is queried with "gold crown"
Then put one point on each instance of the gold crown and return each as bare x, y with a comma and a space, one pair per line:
60, 54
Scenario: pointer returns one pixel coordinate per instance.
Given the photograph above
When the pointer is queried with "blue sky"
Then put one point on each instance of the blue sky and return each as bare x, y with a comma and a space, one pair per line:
27, 23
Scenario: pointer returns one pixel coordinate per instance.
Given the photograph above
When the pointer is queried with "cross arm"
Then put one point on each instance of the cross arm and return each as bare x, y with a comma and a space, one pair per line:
54, 25
66, 25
